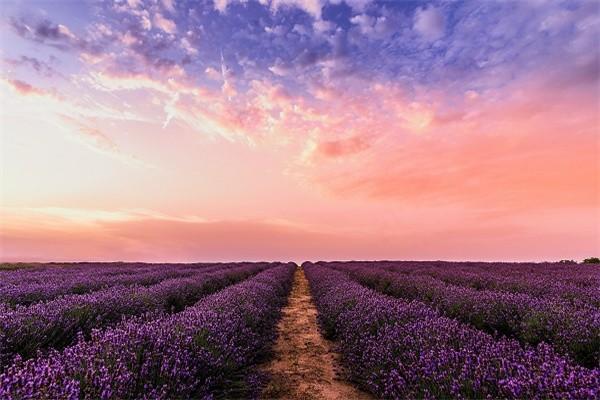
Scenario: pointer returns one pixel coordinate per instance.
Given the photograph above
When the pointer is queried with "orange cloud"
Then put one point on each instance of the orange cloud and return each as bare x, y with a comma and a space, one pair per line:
536, 148
498, 150
514, 171
342, 147
179, 240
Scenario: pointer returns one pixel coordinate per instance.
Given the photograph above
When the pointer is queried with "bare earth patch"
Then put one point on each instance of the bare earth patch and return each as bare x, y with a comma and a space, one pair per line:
304, 366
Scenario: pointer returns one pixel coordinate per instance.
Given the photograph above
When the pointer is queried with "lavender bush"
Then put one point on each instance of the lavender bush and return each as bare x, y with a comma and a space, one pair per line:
55, 324
574, 283
400, 349
571, 328
23, 287
196, 353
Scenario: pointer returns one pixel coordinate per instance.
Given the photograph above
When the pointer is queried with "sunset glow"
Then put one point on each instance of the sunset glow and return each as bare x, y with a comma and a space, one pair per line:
171, 130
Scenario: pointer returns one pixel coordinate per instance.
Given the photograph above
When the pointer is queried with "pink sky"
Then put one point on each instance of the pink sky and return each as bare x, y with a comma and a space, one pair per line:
317, 135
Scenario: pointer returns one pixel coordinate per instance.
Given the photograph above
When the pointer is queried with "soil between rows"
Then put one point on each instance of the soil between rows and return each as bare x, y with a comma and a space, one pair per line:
304, 366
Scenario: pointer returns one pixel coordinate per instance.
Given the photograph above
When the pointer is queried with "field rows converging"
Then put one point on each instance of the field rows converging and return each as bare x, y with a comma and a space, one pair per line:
576, 284
431, 166
18, 288
572, 329
326, 330
25, 330
205, 348
398, 348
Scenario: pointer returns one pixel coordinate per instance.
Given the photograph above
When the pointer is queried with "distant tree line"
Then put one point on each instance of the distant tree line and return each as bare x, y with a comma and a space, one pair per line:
591, 260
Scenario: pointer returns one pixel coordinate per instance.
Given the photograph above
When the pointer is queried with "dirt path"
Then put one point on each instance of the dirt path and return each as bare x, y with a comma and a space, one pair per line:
304, 366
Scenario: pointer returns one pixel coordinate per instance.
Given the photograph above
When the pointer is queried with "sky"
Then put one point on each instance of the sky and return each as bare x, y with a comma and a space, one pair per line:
173, 130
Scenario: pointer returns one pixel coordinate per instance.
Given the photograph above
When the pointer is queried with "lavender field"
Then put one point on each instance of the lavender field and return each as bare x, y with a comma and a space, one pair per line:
323, 330
456, 330
137, 331
162, 161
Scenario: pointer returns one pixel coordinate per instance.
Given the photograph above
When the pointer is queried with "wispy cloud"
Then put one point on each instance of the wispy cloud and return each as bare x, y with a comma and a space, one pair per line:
359, 111
41, 67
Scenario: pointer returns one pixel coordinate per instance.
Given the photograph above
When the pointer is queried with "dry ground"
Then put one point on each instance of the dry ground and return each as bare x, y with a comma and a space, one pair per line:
304, 366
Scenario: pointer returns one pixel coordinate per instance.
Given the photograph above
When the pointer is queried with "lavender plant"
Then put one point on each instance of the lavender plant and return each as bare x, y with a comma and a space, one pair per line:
193, 354
405, 349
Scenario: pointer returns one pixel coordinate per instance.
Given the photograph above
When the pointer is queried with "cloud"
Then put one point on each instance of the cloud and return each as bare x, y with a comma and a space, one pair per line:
169, 5
279, 30
143, 235
321, 26
213, 74
50, 104
359, 106
140, 15
74, 118
486, 155
164, 23
39, 66
312, 7
63, 234
93, 136
54, 35
376, 27
221, 5
122, 81
300, 29
228, 88
365, 23
96, 140
145, 21
187, 46
356, 5
342, 147
430, 22
26, 89
280, 69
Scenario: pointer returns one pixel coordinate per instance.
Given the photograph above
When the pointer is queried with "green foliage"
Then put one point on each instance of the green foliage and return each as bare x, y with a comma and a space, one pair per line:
567, 262
592, 260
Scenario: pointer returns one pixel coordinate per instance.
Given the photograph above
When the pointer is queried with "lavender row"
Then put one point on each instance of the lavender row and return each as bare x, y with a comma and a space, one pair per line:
398, 349
41, 272
58, 284
575, 274
55, 324
574, 283
571, 330
194, 353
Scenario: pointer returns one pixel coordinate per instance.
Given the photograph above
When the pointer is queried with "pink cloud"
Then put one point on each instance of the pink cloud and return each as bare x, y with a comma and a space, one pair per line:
160, 240
497, 159
164, 23
26, 89
342, 147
